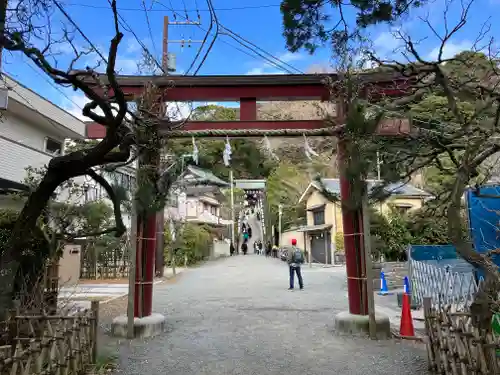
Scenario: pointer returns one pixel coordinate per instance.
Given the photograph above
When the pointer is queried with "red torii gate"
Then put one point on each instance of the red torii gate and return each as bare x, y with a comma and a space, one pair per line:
247, 90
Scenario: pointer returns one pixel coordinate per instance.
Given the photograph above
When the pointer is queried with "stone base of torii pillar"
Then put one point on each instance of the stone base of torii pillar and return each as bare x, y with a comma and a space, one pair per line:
147, 326
359, 325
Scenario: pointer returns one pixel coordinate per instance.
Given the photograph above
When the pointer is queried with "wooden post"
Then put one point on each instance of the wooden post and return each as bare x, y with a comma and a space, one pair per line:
94, 306
369, 269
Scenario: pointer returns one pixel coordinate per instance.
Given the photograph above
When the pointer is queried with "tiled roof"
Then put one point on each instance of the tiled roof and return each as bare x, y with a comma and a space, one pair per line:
202, 176
408, 190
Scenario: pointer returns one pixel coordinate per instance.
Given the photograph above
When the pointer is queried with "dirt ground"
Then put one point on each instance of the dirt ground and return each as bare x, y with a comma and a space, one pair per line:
111, 309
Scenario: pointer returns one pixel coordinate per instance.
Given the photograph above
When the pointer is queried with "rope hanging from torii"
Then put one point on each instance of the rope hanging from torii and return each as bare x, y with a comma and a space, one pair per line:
239, 133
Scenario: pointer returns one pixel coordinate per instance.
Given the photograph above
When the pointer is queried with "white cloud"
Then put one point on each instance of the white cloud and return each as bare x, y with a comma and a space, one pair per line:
387, 41
125, 65
74, 105
133, 46
450, 49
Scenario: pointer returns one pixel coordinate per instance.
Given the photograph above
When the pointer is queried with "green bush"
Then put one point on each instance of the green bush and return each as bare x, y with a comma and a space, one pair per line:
32, 258
193, 242
339, 242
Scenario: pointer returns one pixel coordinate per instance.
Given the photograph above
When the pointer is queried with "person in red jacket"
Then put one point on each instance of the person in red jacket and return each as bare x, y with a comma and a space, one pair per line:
295, 260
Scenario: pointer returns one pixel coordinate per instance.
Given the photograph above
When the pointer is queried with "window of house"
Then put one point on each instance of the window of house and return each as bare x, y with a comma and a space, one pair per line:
403, 209
213, 210
52, 146
173, 199
319, 217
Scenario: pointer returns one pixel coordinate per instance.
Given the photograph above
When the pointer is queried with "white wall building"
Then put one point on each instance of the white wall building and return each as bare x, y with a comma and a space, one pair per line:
32, 131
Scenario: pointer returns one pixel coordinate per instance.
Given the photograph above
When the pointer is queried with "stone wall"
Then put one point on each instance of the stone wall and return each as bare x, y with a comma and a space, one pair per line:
394, 274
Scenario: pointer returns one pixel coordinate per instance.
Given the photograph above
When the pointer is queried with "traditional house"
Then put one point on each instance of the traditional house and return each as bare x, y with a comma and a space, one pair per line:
196, 197
324, 217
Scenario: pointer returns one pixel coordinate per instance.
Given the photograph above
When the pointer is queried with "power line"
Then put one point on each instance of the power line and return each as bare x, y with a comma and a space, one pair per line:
70, 19
57, 87
260, 54
213, 16
123, 23
203, 42
149, 27
256, 54
74, 4
236, 35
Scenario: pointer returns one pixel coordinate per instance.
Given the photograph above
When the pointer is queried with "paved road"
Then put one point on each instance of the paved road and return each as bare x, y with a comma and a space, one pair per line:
236, 316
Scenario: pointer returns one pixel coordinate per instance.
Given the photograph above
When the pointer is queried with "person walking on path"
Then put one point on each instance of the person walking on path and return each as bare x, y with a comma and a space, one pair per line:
231, 249
269, 249
295, 261
244, 248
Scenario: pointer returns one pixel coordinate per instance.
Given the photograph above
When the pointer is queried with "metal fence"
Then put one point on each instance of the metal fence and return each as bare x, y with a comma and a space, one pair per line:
438, 272
446, 287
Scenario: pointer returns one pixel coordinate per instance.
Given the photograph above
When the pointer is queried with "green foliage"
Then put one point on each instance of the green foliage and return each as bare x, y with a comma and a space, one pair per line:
192, 241
32, 258
307, 23
339, 242
285, 185
391, 234
428, 229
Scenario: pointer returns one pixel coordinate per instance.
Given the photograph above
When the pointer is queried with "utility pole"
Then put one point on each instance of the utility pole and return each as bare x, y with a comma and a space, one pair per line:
165, 58
167, 67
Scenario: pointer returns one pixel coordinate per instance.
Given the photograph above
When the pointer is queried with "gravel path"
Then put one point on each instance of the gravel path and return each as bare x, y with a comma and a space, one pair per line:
236, 316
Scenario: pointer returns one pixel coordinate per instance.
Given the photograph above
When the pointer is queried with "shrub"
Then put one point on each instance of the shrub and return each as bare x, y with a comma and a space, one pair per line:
31, 259
193, 242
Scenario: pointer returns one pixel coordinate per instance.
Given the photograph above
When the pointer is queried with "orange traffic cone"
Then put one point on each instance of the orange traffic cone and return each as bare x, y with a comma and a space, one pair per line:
406, 328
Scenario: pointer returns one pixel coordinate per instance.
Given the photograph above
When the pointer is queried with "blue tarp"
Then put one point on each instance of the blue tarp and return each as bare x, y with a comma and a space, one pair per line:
484, 217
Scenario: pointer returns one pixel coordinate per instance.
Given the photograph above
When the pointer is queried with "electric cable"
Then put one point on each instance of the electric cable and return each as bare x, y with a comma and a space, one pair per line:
256, 55
149, 28
262, 50
70, 19
83, 5
202, 44
217, 29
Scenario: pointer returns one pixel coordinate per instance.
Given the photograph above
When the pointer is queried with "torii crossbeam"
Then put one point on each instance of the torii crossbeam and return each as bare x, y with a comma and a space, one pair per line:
248, 90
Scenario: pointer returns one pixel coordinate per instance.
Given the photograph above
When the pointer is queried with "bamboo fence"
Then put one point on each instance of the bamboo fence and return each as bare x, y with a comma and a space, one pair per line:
50, 344
455, 346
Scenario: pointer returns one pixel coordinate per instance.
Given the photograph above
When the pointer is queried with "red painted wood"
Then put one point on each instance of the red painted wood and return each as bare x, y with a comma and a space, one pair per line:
353, 229
149, 264
138, 272
248, 109
234, 93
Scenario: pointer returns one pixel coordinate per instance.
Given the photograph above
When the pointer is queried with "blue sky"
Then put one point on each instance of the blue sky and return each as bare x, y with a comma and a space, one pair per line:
256, 20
